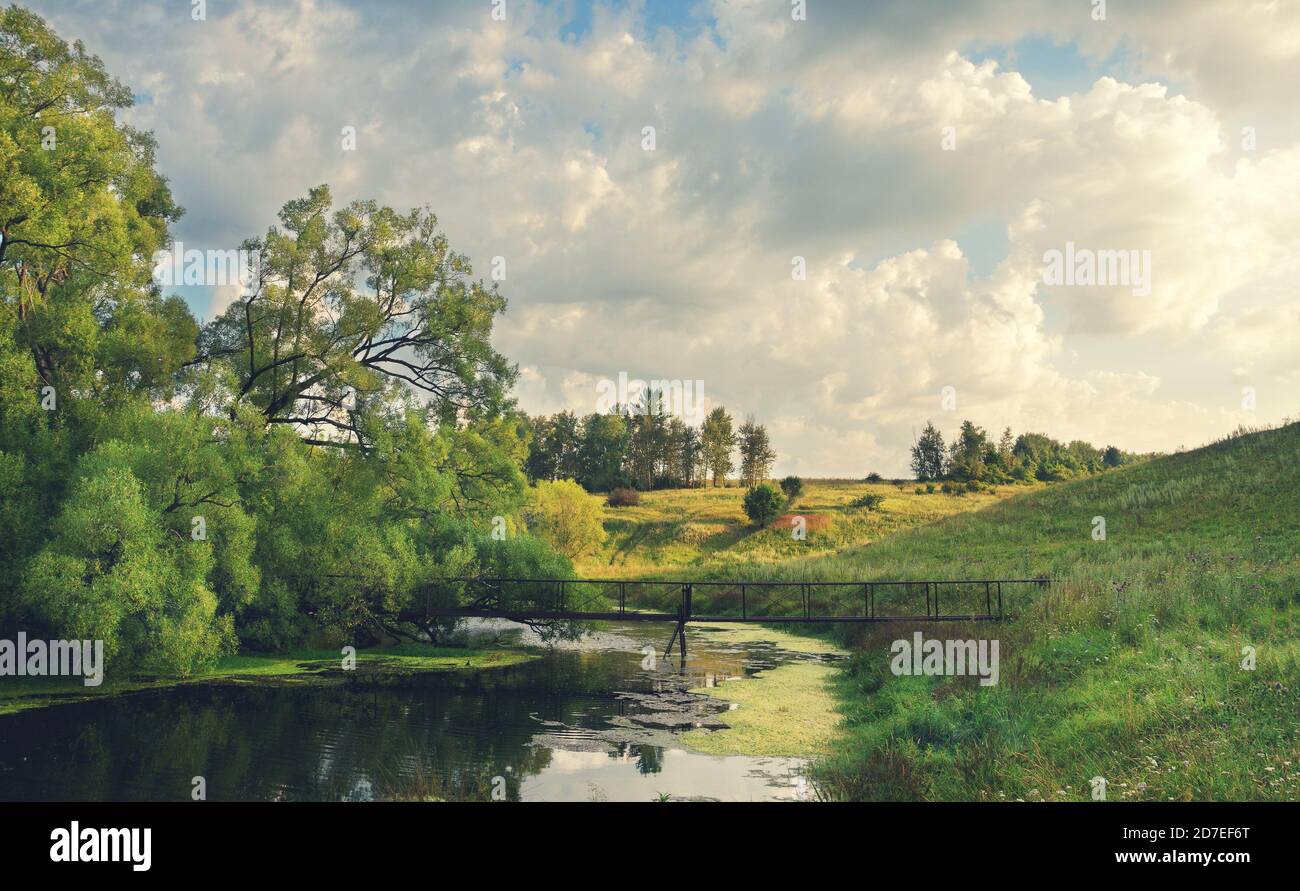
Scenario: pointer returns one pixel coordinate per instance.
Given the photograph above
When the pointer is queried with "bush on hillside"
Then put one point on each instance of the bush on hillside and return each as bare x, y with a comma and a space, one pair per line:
870, 501
764, 503
564, 516
623, 497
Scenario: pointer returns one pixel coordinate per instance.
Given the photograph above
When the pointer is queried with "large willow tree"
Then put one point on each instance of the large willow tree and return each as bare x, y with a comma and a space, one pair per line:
337, 439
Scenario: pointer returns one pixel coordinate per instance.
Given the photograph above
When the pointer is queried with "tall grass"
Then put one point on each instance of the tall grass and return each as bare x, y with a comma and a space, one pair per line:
1129, 667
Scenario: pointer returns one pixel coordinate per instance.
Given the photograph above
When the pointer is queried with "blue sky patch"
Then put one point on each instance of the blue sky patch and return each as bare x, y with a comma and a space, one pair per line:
1056, 69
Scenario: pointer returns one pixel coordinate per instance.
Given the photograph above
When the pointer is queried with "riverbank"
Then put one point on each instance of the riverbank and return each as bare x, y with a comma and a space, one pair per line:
295, 666
789, 710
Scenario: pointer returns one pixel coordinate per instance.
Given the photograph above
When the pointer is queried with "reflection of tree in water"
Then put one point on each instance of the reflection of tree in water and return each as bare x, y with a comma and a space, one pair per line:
258, 743
431, 735
649, 759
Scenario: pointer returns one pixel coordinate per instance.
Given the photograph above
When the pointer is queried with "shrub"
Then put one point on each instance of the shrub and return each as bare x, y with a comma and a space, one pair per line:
564, 516
929, 488
874, 477
792, 486
920, 491
870, 501
764, 503
623, 497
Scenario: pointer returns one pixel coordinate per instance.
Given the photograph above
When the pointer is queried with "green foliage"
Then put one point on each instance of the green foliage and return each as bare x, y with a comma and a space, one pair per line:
80, 206
112, 571
717, 440
764, 503
756, 453
259, 479
313, 350
562, 515
792, 486
642, 446
870, 501
928, 455
973, 457
600, 455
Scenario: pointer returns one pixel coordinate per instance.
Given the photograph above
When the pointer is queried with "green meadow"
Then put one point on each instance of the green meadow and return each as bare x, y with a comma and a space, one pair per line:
1163, 659
706, 529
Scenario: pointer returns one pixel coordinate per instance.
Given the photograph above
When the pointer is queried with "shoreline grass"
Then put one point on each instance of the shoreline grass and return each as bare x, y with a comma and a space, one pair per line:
1129, 668
304, 664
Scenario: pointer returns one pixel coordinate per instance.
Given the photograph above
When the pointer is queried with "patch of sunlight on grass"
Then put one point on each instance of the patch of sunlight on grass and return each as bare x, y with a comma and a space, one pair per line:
784, 711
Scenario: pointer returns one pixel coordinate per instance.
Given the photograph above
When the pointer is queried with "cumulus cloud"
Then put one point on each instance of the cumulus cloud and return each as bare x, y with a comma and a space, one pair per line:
774, 139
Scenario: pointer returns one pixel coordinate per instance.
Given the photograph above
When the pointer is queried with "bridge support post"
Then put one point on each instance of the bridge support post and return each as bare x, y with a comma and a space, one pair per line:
679, 633
683, 617
679, 637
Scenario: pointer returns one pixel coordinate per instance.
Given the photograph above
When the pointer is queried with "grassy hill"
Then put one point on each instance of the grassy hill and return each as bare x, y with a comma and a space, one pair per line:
1130, 668
706, 530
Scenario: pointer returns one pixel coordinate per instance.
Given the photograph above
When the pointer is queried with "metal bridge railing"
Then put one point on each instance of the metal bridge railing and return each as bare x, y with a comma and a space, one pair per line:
727, 601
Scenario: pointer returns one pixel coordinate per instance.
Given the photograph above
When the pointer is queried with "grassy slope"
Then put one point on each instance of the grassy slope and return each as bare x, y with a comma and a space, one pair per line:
706, 528
1129, 669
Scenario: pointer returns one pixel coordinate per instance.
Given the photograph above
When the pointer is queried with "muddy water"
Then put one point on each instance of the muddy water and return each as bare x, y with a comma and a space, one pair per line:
596, 720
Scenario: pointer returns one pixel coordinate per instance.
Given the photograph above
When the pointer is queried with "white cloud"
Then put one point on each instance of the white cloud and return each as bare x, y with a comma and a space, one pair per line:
775, 139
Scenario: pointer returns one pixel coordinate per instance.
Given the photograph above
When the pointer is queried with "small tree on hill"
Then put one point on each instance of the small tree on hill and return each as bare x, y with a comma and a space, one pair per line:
717, 439
928, 455
756, 454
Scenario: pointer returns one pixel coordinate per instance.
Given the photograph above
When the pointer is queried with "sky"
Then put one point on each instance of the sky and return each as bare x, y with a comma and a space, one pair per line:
922, 158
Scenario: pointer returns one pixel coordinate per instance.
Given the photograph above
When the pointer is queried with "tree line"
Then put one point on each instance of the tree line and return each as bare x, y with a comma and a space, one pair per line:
973, 457
643, 447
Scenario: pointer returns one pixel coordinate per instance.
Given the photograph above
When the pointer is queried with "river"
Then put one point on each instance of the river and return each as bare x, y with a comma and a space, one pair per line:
593, 720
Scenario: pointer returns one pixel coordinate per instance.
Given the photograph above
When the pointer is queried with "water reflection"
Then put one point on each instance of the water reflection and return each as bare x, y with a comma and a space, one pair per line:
586, 723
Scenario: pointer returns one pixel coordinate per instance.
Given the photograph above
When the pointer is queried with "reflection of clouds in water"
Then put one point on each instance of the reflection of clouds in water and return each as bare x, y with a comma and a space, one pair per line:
564, 760
596, 640
683, 776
